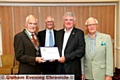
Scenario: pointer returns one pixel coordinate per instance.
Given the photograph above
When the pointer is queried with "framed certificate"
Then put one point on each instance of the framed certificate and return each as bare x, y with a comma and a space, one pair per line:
49, 53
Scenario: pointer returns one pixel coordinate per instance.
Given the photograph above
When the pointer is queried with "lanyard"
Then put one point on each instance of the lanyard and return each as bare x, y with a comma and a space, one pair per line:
36, 47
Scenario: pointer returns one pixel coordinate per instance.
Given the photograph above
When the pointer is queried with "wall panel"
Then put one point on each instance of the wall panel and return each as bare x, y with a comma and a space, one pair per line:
81, 13
56, 12
7, 30
106, 18
20, 14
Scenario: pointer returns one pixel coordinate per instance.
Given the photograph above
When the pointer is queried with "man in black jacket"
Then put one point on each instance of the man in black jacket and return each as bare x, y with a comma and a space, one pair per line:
44, 37
71, 44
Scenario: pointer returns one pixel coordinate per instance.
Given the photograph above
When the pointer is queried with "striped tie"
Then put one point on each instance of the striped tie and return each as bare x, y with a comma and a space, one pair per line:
51, 39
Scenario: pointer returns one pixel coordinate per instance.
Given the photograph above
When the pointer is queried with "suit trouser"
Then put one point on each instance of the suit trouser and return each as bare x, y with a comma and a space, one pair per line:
48, 68
63, 72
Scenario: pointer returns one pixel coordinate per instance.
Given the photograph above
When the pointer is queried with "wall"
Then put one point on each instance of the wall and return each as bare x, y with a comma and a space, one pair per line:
0, 39
13, 19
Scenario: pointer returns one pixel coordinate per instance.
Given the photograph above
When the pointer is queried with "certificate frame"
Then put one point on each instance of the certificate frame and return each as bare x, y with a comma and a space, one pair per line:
49, 53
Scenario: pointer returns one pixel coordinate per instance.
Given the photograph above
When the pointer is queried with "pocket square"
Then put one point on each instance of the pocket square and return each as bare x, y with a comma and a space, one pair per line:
103, 43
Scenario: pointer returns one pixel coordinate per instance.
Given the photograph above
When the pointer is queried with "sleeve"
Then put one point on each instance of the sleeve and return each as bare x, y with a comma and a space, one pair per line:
20, 51
82, 65
80, 48
109, 57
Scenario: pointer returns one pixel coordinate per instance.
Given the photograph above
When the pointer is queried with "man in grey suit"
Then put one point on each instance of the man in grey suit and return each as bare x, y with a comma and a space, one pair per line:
71, 44
97, 64
26, 48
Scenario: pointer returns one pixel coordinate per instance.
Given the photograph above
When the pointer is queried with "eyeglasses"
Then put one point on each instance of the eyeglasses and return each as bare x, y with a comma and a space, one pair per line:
91, 24
32, 23
49, 21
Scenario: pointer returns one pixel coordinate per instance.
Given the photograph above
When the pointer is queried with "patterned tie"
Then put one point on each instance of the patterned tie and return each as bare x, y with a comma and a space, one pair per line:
33, 39
92, 47
51, 39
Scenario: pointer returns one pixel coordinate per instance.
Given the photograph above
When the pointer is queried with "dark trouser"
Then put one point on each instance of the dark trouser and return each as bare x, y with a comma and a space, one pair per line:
48, 68
63, 72
62, 69
78, 78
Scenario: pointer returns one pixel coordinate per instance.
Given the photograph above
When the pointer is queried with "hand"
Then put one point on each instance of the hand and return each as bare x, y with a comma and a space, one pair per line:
83, 77
52, 60
39, 59
108, 78
62, 59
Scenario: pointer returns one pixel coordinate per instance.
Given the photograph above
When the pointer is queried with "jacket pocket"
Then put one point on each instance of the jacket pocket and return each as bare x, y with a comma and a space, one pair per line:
102, 66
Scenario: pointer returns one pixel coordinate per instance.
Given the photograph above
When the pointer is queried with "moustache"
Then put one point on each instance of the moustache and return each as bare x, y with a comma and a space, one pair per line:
68, 23
49, 24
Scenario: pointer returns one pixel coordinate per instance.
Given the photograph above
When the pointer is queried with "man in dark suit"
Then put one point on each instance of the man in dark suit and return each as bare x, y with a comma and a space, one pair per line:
71, 44
26, 48
44, 37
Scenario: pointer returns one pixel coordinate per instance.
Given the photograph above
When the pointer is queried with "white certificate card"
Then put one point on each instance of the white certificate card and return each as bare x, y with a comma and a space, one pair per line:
49, 53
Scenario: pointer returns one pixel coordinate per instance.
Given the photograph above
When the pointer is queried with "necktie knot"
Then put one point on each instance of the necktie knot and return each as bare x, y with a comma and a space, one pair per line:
32, 35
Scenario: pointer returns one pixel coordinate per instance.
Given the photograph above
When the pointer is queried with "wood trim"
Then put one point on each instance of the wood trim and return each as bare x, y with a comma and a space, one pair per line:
59, 0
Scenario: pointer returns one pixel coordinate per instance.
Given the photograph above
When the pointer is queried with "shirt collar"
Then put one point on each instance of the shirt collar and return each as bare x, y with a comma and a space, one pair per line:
29, 32
94, 34
49, 30
69, 30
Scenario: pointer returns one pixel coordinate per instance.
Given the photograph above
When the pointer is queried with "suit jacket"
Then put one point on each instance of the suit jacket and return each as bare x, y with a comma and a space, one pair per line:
25, 53
47, 67
74, 51
101, 63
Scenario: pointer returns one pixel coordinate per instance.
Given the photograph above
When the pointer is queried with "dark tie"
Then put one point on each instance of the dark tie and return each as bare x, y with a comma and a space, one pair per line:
33, 39
51, 39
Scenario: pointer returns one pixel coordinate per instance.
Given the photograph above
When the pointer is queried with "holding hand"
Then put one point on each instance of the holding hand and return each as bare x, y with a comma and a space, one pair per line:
39, 59
108, 78
62, 59
83, 77
52, 60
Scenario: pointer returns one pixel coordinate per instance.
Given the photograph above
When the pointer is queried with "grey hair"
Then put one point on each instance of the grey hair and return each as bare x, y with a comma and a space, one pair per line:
69, 14
29, 16
90, 19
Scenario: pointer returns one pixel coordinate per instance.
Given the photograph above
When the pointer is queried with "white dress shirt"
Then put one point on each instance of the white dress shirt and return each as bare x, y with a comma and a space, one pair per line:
47, 37
66, 36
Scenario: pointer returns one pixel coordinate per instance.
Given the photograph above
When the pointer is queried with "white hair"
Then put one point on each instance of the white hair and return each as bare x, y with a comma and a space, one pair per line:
91, 18
29, 16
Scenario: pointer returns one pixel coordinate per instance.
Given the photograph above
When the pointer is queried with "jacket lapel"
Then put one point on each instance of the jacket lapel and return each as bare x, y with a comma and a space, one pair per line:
30, 39
44, 35
73, 32
98, 43
87, 40
61, 35
27, 36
